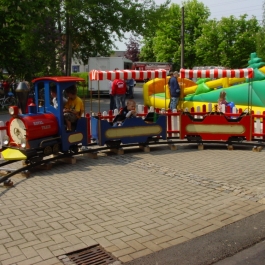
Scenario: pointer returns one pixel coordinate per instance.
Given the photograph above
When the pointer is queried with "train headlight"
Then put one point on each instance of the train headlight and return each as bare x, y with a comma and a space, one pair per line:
6, 140
13, 110
23, 143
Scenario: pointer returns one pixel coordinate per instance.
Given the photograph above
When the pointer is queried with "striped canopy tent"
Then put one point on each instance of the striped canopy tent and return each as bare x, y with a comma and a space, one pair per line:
217, 73
247, 73
126, 74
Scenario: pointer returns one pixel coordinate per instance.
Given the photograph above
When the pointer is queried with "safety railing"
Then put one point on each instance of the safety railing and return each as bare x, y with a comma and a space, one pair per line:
173, 119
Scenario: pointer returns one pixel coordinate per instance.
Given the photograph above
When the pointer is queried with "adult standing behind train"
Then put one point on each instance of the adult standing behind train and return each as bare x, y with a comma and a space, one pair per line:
112, 104
130, 84
118, 90
174, 91
170, 74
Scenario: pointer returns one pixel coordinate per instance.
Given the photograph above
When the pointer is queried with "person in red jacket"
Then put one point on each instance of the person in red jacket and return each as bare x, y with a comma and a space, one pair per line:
119, 92
5, 86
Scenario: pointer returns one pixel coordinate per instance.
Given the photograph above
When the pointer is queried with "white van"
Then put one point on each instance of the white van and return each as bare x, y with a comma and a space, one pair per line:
105, 64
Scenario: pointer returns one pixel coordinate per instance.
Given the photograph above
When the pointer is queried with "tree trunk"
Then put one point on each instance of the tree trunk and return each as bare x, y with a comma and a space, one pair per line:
68, 52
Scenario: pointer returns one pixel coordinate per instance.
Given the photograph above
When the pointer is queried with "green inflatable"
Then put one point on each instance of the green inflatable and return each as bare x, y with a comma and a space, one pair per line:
251, 92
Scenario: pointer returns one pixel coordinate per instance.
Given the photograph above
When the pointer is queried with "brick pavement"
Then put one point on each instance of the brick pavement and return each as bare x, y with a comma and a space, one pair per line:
132, 205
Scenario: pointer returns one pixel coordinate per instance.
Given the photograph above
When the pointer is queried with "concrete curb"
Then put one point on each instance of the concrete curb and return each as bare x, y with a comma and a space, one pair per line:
212, 247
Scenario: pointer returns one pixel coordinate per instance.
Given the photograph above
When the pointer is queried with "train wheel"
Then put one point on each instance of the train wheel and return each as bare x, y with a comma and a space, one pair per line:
55, 149
152, 139
8, 183
47, 151
113, 144
35, 159
194, 138
74, 149
236, 139
26, 162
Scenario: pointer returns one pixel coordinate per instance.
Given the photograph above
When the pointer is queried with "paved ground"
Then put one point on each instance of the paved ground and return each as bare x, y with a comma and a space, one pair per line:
133, 205
163, 207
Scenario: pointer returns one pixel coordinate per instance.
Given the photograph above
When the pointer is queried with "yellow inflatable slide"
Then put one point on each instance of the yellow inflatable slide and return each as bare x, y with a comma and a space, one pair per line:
156, 91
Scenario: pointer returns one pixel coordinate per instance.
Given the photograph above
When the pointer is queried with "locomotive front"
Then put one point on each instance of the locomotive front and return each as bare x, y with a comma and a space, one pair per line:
30, 127
30, 133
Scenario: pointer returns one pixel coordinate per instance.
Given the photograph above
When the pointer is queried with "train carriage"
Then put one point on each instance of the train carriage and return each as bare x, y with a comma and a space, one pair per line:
132, 130
215, 125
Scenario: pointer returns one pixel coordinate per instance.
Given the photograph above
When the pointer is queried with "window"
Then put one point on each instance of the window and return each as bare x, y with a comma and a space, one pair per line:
75, 68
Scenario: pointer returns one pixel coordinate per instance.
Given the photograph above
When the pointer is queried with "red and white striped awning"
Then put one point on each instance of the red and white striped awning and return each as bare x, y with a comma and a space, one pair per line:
127, 74
217, 73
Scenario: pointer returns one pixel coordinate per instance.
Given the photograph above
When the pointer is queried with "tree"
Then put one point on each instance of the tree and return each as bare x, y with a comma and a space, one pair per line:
94, 28
260, 47
133, 50
26, 36
147, 52
166, 43
227, 42
167, 37
36, 36
211, 39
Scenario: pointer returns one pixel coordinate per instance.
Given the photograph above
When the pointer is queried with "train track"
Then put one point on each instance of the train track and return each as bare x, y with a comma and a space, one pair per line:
6, 179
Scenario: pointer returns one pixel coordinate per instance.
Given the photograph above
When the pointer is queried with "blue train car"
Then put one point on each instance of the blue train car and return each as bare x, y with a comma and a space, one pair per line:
132, 130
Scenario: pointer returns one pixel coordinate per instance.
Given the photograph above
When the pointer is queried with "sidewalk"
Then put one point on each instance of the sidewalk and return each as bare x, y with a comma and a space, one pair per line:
132, 205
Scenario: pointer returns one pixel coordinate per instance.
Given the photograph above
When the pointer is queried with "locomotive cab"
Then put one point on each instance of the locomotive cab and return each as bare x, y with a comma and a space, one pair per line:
43, 94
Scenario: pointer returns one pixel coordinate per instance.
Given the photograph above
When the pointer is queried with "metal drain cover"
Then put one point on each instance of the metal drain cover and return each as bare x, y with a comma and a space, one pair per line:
94, 255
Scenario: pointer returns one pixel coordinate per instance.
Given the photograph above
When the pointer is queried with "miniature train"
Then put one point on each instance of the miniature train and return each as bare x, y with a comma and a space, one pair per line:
42, 132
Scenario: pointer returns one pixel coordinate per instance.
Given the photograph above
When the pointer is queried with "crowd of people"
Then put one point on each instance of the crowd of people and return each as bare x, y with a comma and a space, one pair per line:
7, 85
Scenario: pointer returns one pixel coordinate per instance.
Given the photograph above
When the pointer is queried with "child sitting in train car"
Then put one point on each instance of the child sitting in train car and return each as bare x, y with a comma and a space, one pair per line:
127, 112
73, 108
54, 97
221, 100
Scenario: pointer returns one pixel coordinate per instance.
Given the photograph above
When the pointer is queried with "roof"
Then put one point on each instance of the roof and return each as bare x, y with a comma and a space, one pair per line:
127, 74
59, 79
152, 63
217, 73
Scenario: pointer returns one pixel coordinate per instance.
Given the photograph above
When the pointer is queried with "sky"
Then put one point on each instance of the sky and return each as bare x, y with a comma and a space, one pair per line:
219, 9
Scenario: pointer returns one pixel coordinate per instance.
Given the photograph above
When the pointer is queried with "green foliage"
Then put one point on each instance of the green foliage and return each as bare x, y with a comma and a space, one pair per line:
147, 51
42, 36
210, 39
227, 42
82, 87
22, 23
166, 40
260, 48
83, 75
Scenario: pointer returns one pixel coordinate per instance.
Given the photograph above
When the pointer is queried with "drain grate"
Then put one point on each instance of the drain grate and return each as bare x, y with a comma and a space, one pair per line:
94, 255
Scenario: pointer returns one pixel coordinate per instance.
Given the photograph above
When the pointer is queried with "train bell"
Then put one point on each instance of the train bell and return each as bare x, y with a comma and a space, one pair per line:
22, 93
